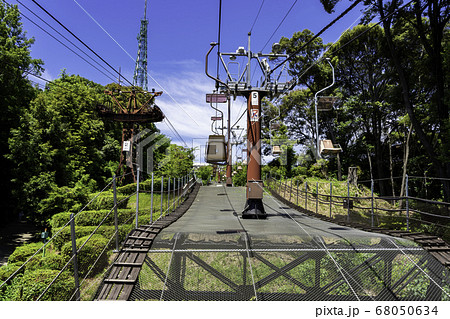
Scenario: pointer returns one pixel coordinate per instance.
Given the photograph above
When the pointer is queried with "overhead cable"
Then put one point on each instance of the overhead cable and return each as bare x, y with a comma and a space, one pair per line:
126, 52
279, 25
67, 47
257, 15
81, 41
353, 5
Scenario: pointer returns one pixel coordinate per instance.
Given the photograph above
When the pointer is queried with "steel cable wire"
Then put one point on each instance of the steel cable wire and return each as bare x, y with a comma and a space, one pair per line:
246, 245
420, 268
340, 269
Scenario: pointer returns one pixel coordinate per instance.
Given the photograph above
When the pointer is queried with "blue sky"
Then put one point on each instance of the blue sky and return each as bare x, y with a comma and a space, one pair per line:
179, 35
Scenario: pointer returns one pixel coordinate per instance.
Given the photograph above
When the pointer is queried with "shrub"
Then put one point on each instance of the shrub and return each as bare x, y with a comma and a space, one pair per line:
81, 231
106, 201
88, 254
7, 270
50, 261
91, 217
31, 285
22, 253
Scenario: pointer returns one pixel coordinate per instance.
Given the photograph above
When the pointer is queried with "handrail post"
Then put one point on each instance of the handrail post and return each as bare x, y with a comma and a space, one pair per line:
151, 202
116, 223
306, 195
290, 191
331, 196
174, 195
162, 195
168, 194
74, 256
348, 201
407, 203
137, 198
371, 194
317, 197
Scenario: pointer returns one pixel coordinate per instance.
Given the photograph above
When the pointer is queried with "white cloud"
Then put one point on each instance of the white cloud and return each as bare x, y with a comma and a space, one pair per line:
184, 103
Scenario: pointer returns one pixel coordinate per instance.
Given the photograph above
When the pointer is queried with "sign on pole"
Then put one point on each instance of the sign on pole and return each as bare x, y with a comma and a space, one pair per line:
216, 98
126, 146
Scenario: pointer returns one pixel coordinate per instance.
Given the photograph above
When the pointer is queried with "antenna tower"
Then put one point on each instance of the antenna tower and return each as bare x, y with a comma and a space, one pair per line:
140, 70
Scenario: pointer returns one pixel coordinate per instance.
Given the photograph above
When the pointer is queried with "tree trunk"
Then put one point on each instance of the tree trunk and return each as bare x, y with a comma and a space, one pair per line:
442, 169
405, 163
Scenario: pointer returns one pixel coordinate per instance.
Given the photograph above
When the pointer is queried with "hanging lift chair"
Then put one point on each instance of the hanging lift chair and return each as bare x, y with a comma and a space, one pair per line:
327, 147
216, 150
326, 103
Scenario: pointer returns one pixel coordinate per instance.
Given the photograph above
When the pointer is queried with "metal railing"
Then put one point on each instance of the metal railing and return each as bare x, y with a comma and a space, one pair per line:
362, 205
71, 264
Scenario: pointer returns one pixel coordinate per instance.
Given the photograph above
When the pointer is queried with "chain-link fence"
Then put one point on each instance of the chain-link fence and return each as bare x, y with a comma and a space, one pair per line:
71, 263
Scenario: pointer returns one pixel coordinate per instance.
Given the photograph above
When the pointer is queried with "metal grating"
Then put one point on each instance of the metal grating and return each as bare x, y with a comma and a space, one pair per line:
235, 266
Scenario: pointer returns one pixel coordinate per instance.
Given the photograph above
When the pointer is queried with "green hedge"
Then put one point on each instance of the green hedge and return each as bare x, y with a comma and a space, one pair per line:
22, 253
89, 254
106, 201
8, 269
30, 285
91, 218
81, 231
146, 186
50, 261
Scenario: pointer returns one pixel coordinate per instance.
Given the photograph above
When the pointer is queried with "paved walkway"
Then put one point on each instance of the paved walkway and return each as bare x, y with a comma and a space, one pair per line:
218, 209
13, 235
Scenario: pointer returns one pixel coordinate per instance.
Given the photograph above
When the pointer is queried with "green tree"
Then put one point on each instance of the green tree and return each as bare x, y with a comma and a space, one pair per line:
15, 93
205, 172
60, 142
177, 162
417, 40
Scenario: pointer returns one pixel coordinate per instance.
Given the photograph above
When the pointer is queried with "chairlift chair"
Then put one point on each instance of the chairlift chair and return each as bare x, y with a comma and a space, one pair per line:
326, 103
328, 148
275, 126
276, 150
216, 149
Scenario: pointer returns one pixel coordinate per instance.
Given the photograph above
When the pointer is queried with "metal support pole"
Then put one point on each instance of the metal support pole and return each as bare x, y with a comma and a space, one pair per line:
151, 202
407, 203
174, 195
306, 194
317, 197
229, 179
74, 255
137, 198
371, 194
296, 202
162, 195
168, 194
290, 192
179, 185
348, 201
254, 207
116, 223
279, 191
331, 196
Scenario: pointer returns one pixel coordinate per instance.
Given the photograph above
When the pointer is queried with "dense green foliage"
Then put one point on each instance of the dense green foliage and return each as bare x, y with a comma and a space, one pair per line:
16, 92
392, 116
205, 173
92, 258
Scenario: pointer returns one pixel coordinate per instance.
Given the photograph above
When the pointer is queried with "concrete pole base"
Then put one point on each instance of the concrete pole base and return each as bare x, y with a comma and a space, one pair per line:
254, 209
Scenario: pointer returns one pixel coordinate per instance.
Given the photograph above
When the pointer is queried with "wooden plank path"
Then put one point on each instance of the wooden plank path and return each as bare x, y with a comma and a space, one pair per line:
434, 245
124, 272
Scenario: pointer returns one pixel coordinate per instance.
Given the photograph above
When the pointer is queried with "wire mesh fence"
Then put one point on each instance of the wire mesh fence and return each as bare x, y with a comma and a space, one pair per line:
359, 203
183, 266
71, 263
